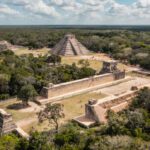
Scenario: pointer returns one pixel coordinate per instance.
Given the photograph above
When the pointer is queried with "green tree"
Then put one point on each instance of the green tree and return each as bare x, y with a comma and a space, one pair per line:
52, 113
116, 123
39, 141
23, 144
70, 135
27, 93
142, 99
145, 63
55, 59
4, 87
84, 63
8, 142
135, 120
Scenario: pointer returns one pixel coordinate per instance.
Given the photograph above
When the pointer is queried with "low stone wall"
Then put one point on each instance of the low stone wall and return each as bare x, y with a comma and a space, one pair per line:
146, 73
96, 111
73, 86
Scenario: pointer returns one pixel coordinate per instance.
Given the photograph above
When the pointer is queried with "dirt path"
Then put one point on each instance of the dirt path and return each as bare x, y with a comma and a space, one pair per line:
25, 122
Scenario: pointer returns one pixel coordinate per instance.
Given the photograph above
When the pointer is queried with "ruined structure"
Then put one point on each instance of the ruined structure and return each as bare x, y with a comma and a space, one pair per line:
96, 110
111, 67
68, 89
3, 45
69, 46
52, 92
6, 122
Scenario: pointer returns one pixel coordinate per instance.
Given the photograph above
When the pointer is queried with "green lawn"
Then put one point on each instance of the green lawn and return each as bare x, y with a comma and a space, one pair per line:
17, 115
97, 65
73, 107
37, 52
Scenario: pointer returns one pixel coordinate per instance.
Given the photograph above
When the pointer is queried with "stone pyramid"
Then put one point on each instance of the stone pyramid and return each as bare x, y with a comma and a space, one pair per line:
69, 46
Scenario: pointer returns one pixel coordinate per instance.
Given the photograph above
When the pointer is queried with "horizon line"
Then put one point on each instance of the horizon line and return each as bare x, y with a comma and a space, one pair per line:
74, 24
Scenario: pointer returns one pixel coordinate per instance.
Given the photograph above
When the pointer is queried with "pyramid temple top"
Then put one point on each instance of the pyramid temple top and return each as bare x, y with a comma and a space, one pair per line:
69, 46
69, 36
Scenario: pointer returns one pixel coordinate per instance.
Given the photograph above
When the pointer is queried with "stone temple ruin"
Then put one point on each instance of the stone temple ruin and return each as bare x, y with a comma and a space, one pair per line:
69, 46
111, 67
119, 96
6, 122
59, 91
7, 125
4, 45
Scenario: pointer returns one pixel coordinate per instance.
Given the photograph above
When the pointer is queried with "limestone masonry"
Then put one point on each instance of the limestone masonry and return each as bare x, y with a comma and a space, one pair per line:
110, 73
119, 97
6, 122
69, 46
76, 87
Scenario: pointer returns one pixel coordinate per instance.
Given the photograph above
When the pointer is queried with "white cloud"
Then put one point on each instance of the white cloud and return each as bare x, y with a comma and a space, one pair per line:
5, 10
82, 11
119, 9
143, 3
41, 8
38, 7
56, 2
17, 2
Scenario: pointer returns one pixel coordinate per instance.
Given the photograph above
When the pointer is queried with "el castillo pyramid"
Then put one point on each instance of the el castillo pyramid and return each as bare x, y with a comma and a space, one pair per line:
69, 46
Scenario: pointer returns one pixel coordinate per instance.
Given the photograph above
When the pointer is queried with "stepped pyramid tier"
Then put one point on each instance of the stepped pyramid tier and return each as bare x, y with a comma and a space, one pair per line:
69, 46
6, 122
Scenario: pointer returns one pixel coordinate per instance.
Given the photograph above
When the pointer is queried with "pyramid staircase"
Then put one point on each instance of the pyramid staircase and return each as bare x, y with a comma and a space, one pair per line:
69, 46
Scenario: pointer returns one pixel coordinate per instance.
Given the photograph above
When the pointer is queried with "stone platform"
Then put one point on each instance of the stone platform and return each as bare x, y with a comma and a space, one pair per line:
6, 122
120, 96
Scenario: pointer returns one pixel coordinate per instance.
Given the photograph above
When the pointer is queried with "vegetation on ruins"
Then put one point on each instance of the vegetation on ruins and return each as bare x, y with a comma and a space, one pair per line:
53, 59
135, 121
16, 72
53, 113
129, 129
24, 76
129, 46
83, 63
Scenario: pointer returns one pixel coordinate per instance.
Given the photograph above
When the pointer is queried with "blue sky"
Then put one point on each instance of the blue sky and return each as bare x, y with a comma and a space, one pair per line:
126, 1
99, 12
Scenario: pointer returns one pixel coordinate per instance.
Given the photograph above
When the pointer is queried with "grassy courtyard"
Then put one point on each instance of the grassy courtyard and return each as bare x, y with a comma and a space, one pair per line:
73, 107
16, 113
23, 51
95, 64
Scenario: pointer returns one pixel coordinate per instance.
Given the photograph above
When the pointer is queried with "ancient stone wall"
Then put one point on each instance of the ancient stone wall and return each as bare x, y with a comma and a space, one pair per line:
73, 86
98, 111
3, 47
6, 122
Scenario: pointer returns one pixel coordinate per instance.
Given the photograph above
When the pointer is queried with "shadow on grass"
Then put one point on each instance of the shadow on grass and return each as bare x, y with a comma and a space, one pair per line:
17, 106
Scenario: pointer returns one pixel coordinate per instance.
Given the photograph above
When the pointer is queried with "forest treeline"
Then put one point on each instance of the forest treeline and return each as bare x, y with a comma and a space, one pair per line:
126, 130
16, 72
128, 46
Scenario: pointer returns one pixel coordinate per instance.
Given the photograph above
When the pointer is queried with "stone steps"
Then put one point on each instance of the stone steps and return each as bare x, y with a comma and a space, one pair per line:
69, 46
